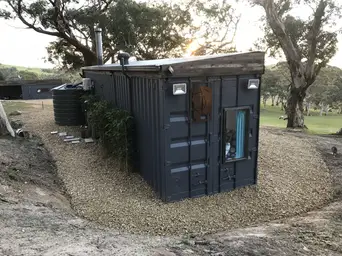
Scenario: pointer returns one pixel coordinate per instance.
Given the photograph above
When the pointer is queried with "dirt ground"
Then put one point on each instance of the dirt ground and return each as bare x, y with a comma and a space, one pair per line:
37, 219
35, 215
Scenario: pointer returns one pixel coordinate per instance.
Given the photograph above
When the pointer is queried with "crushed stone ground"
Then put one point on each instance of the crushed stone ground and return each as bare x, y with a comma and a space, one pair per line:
293, 179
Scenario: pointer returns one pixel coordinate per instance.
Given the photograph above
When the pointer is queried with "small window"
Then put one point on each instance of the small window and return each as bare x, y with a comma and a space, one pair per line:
235, 134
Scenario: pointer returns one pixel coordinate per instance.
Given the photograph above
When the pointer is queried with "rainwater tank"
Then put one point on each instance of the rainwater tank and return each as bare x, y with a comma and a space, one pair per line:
67, 105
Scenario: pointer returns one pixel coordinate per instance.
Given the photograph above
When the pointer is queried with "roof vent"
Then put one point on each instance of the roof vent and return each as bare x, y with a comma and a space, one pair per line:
123, 57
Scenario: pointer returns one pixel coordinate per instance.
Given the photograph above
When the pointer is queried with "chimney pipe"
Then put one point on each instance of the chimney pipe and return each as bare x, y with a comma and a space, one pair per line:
99, 50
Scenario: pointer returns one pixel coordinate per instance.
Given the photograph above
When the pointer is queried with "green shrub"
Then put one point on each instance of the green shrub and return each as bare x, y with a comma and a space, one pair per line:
114, 127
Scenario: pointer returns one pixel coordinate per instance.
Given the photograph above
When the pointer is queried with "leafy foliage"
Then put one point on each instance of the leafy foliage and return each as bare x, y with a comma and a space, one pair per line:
308, 44
114, 126
27, 75
215, 33
2, 77
325, 93
21, 73
275, 84
146, 30
9, 73
327, 89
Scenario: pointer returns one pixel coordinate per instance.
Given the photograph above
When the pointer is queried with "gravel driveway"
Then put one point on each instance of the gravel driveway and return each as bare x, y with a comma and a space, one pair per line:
293, 179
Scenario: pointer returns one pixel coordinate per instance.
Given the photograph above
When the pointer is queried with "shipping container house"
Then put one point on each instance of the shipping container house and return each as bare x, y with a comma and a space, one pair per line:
197, 119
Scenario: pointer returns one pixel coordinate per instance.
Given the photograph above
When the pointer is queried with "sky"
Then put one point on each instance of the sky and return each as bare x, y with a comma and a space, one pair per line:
24, 47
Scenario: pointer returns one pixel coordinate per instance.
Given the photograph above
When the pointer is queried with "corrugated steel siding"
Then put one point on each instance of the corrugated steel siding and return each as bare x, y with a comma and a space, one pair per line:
29, 92
146, 99
177, 157
146, 111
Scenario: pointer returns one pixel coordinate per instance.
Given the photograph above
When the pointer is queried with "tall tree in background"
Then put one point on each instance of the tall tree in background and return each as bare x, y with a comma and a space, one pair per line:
308, 45
325, 92
147, 30
144, 31
271, 83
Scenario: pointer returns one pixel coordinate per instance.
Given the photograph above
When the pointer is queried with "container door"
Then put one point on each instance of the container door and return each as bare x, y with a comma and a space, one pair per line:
236, 128
188, 129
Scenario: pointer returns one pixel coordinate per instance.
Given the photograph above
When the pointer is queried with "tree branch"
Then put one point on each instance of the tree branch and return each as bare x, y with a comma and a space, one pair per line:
19, 13
312, 40
278, 28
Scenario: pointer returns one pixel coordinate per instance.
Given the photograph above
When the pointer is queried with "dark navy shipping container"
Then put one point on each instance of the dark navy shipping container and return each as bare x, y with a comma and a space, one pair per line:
197, 119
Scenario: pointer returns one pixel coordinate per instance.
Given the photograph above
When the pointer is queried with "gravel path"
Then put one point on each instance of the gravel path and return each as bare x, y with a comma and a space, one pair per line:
292, 179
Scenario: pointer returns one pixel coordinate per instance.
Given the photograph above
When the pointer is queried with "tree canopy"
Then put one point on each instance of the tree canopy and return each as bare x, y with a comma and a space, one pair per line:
308, 44
324, 94
2, 77
146, 30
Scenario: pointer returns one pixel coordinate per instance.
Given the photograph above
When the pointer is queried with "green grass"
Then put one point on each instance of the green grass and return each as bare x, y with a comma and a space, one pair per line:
269, 116
331, 123
11, 106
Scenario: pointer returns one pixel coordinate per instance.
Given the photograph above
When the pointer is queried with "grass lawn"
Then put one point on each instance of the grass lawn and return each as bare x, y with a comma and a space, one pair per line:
269, 116
11, 106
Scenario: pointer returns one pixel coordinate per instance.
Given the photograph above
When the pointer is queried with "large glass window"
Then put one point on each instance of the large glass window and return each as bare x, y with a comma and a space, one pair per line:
235, 135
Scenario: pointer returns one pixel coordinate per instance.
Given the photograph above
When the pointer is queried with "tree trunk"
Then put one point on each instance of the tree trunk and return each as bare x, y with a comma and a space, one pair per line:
264, 100
327, 109
322, 109
273, 99
295, 108
3, 129
5, 126
308, 109
278, 101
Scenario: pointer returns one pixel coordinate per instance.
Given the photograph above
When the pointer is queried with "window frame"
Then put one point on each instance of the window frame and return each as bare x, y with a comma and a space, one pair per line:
248, 111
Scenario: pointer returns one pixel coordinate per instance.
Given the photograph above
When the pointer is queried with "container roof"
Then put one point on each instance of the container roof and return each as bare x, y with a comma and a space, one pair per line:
233, 60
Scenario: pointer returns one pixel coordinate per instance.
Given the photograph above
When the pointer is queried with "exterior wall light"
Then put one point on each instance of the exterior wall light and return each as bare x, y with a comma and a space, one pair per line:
253, 84
179, 89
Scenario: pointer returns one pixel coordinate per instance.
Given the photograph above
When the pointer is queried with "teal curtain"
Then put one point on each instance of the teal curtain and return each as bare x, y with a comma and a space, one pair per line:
240, 133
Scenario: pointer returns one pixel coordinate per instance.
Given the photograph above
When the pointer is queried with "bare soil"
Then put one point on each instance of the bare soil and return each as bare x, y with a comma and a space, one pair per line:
36, 217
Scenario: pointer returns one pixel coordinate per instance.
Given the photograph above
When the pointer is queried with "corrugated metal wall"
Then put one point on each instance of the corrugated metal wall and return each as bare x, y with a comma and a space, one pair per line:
30, 91
178, 157
147, 100
147, 110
